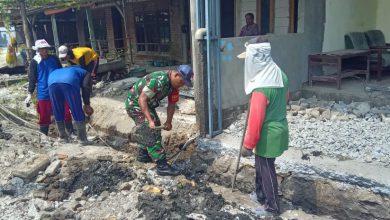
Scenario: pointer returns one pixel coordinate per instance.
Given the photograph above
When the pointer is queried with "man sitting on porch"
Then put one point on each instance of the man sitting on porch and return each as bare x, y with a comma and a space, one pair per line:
251, 28
86, 57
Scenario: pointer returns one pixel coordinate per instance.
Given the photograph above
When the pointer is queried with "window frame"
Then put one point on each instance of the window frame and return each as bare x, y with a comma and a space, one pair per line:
158, 23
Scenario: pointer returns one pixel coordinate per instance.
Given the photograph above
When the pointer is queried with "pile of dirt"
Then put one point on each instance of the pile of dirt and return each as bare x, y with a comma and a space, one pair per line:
184, 201
93, 177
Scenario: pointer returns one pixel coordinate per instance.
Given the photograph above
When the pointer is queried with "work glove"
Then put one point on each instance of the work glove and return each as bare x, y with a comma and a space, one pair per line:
246, 152
27, 101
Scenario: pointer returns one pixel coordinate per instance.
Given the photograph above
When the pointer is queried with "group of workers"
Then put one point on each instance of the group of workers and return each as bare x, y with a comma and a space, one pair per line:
58, 90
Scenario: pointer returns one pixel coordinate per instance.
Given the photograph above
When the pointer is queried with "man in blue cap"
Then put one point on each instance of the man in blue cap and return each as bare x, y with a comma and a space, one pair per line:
142, 100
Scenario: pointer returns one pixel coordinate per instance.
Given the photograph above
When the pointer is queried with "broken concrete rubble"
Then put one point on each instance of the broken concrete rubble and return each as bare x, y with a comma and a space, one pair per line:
31, 168
52, 168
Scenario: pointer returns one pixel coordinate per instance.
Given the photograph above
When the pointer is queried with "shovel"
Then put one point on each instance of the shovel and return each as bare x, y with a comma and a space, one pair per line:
241, 146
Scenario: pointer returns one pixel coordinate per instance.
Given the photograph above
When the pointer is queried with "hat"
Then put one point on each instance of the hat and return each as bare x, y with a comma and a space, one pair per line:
187, 73
62, 51
256, 40
41, 43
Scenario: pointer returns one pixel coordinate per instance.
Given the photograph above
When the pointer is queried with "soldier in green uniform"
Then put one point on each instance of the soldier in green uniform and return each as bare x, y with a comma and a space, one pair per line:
142, 100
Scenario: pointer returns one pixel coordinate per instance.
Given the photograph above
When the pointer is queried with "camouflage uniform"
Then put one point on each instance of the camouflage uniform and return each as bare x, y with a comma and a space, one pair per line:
156, 86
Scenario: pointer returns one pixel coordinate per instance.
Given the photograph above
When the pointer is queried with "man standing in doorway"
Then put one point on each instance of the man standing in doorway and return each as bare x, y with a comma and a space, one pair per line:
86, 57
40, 67
251, 28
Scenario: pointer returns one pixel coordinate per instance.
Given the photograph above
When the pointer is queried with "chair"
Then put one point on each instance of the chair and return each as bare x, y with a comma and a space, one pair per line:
375, 42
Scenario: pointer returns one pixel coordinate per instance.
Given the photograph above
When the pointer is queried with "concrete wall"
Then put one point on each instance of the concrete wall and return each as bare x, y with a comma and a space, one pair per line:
383, 18
347, 16
289, 51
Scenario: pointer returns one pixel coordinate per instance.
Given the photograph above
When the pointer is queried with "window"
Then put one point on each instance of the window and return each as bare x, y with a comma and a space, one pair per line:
272, 16
153, 31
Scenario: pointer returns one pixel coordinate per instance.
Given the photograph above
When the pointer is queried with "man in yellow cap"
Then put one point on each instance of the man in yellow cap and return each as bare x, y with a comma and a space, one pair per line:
86, 57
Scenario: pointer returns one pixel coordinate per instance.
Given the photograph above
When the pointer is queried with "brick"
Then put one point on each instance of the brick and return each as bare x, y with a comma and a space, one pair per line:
61, 156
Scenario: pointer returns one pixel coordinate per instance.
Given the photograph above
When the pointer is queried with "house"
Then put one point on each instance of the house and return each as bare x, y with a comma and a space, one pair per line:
153, 29
296, 28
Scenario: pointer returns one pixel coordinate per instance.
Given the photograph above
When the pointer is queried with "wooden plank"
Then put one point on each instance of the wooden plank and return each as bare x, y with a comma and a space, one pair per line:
55, 32
90, 28
291, 26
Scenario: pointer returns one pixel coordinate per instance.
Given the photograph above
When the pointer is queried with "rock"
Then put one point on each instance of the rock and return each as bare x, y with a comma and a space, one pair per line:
42, 205
361, 108
41, 194
74, 206
99, 85
327, 114
52, 168
40, 178
30, 169
196, 216
78, 194
222, 164
313, 113
103, 196
63, 213
104, 158
304, 106
152, 189
385, 119
296, 108
125, 186
55, 195
8, 190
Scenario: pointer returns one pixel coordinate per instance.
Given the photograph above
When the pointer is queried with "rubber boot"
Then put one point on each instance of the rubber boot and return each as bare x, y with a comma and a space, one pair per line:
143, 156
69, 128
44, 129
81, 131
164, 169
63, 136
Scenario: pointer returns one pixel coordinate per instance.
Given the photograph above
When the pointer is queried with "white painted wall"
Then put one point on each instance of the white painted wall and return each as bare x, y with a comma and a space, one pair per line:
343, 16
282, 15
383, 18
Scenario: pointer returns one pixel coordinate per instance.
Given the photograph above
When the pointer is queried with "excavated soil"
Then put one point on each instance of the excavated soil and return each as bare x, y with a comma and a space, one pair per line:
186, 200
94, 177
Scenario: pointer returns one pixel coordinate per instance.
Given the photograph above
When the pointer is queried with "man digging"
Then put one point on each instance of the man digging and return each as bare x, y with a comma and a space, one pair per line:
141, 103
64, 86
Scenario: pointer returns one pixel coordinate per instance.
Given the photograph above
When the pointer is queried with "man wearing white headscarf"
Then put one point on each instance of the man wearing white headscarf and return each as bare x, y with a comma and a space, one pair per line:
267, 131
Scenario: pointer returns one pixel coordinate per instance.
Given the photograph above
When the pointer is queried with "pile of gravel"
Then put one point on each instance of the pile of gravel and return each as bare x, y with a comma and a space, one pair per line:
343, 131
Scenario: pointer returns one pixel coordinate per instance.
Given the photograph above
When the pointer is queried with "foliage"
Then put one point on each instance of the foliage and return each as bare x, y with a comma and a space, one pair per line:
7, 5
